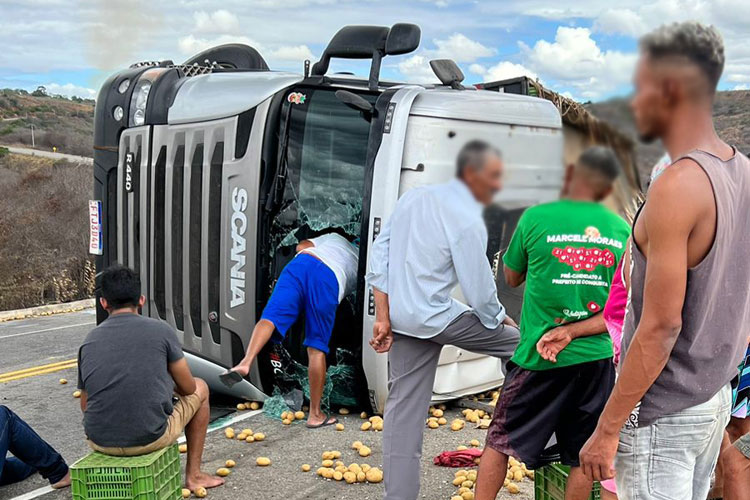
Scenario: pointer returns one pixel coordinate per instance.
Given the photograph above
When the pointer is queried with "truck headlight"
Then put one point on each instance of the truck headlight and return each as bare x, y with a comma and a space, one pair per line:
139, 97
138, 103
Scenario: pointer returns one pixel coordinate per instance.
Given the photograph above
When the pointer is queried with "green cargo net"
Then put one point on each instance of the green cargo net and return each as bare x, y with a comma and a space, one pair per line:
340, 389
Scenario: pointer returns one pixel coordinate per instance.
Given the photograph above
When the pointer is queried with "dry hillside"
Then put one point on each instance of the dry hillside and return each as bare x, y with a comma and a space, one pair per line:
67, 124
732, 113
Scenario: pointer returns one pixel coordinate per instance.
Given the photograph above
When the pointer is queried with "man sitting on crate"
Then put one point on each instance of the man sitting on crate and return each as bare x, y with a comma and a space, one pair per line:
561, 373
129, 369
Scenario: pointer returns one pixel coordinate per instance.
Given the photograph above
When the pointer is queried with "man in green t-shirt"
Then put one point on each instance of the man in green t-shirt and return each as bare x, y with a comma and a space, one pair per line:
561, 374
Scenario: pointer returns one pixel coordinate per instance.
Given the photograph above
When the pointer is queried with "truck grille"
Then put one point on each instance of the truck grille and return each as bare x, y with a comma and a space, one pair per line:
173, 226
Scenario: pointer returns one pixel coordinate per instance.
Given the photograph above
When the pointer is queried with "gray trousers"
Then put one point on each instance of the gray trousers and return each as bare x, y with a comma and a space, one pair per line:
412, 364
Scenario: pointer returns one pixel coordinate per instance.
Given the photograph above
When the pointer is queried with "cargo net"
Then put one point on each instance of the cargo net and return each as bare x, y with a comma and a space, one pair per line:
293, 386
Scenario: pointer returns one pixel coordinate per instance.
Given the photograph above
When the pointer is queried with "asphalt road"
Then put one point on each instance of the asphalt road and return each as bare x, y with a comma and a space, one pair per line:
49, 154
51, 410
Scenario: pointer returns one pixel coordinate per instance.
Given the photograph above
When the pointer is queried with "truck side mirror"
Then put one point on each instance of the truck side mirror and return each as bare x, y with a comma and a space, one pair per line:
357, 102
448, 72
402, 39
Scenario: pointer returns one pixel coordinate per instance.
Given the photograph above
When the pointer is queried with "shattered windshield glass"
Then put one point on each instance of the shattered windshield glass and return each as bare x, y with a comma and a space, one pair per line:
325, 170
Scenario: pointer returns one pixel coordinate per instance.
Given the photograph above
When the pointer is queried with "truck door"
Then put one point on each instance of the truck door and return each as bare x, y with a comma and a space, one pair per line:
315, 184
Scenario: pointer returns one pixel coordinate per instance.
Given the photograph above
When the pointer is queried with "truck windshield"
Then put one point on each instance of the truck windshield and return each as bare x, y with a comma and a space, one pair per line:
327, 150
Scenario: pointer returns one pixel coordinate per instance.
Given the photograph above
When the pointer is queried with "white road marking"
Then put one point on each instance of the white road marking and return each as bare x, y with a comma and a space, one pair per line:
220, 424
47, 330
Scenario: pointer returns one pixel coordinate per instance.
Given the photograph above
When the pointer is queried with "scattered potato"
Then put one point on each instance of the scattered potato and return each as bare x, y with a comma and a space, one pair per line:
305, 467
477, 460
339, 427
364, 451
467, 484
241, 436
286, 421
513, 488
254, 405
442, 421
327, 455
320, 471
327, 463
512, 462
457, 425
201, 492
299, 415
432, 424
363, 415
361, 477
459, 480
366, 467
350, 477
247, 432
461, 473
63, 381
186, 493
182, 448
263, 461
472, 475
475, 443
354, 468
230, 463
518, 475
506, 482
328, 473
222, 472
356, 445
530, 474
336, 454
374, 475
366, 426
338, 476
341, 468
377, 426
240, 406
467, 495
259, 436
456, 497
249, 439
437, 413
462, 448
76, 394
343, 411
339, 463
229, 433
514, 469
375, 418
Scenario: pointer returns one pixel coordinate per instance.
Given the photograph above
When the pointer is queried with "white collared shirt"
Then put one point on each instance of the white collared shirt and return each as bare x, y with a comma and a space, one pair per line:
434, 240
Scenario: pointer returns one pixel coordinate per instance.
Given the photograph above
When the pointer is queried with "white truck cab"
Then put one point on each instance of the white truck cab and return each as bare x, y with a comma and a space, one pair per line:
207, 174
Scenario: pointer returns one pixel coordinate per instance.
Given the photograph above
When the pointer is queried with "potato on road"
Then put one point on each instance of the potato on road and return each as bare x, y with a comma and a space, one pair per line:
374, 475
305, 467
230, 463
263, 461
182, 448
364, 451
222, 472
201, 492
186, 493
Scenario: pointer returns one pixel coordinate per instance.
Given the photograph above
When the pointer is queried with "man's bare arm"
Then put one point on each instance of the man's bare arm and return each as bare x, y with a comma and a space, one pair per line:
183, 379
672, 211
84, 400
513, 278
304, 245
382, 335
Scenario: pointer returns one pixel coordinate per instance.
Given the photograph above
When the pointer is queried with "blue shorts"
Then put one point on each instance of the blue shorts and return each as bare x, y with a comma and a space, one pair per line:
305, 284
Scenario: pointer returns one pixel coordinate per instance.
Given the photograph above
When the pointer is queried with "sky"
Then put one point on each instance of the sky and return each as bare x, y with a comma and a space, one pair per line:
584, 49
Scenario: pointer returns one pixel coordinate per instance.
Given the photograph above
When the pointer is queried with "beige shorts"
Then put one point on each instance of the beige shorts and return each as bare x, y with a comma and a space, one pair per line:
184, 410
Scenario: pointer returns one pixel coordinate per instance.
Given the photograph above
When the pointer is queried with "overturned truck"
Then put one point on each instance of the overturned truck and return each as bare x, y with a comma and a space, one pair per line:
208, 173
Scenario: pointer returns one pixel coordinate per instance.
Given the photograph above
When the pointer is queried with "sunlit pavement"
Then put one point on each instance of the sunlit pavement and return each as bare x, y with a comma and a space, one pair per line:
53, 412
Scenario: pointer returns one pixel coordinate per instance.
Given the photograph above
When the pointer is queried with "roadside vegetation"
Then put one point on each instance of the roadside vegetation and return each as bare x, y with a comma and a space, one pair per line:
43, 231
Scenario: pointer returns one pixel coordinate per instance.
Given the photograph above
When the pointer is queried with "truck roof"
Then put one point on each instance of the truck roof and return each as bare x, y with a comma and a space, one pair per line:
486, 106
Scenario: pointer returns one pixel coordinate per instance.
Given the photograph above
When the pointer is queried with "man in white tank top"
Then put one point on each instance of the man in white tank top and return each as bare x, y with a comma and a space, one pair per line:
317, 279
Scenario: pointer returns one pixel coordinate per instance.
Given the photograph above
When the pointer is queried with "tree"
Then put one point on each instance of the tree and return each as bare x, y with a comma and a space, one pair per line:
41, 91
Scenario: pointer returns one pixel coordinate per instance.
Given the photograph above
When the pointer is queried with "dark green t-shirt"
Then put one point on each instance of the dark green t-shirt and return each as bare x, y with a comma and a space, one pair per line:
569, 251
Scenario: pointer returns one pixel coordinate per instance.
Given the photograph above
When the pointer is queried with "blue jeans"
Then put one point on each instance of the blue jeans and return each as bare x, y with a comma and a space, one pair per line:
673, 458
31, 452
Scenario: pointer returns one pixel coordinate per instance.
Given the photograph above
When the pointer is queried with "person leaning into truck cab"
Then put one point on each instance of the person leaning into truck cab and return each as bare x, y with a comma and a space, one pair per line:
434, 240
129, 368
317, 279
562, 372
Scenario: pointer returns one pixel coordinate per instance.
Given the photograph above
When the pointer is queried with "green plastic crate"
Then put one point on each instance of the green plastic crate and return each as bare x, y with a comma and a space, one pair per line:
155, 476
550, 481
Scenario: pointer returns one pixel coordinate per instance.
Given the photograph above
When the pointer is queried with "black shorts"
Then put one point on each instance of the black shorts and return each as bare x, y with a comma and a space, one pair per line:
534, 405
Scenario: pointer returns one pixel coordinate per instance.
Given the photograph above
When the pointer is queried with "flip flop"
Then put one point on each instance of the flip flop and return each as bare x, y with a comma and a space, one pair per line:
230, 378
328, 421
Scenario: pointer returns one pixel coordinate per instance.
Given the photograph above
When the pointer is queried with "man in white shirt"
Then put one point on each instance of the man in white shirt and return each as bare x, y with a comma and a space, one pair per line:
435, 239
317, 279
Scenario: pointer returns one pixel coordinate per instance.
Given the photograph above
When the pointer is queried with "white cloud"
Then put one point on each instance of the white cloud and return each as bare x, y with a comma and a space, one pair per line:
190, 45
70, 90
502, 71
292, 53
416, 69
218, 21
620, 22
460, 48
574, 58
741, 86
